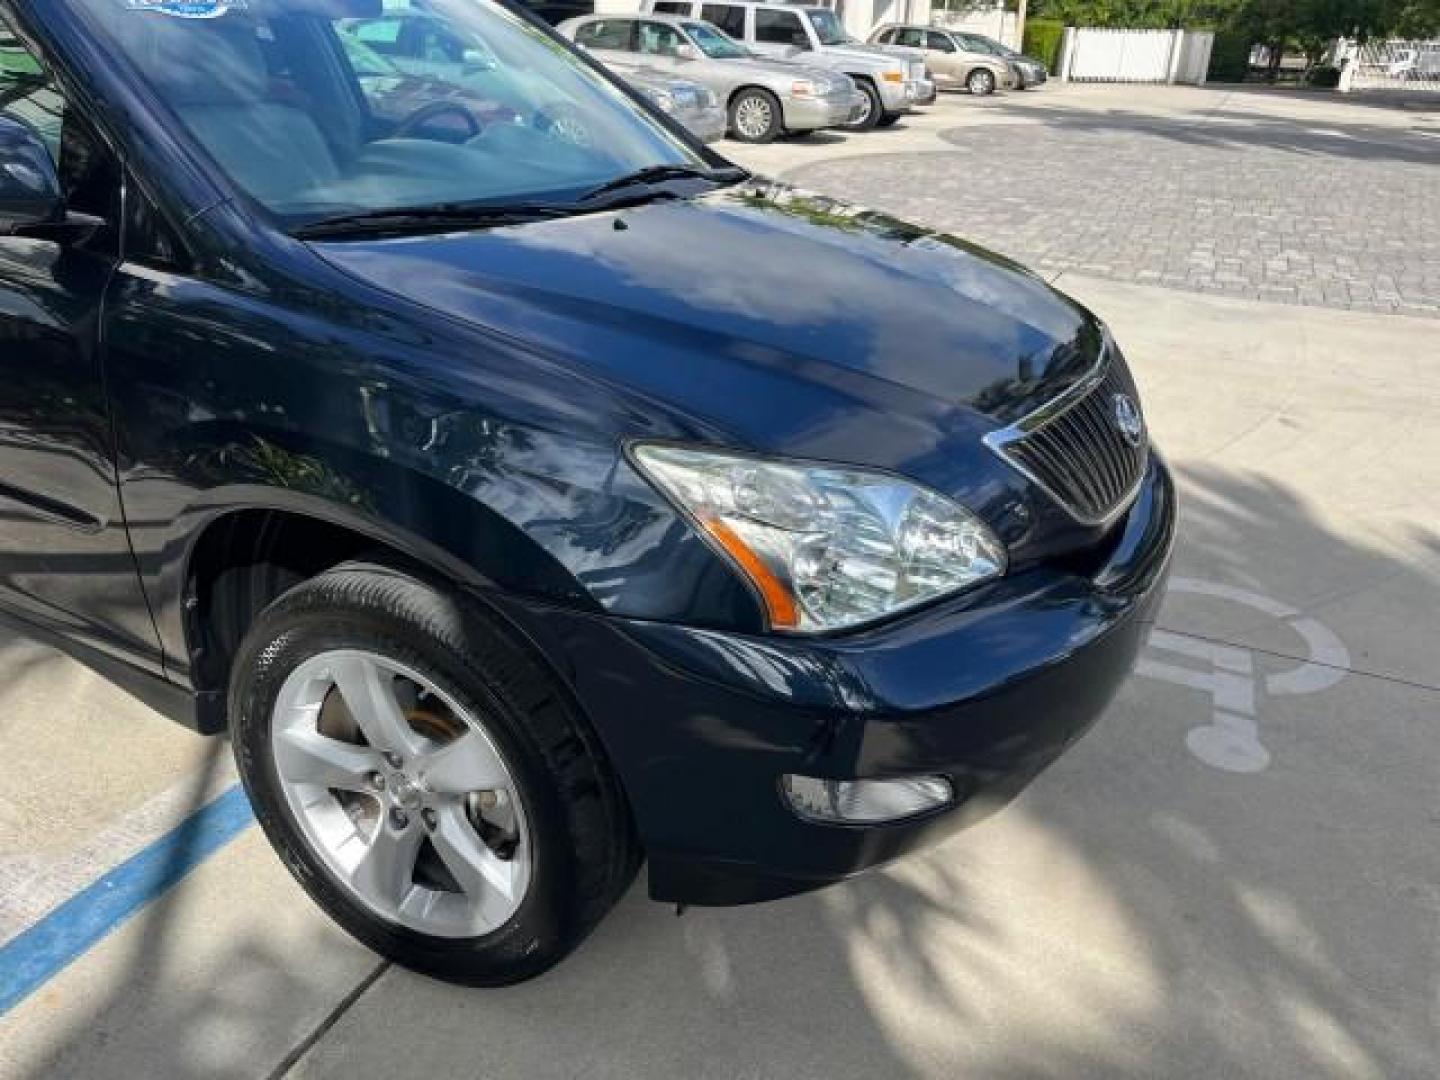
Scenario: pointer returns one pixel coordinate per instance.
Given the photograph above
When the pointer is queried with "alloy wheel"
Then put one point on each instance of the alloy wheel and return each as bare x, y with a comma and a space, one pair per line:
754, 117
402, 794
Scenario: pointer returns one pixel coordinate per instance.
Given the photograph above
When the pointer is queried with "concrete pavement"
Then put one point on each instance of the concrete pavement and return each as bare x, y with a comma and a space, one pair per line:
1236, 874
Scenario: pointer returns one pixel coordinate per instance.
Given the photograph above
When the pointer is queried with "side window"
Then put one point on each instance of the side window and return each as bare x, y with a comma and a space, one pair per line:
780, 28
607, 34
727, 17
672, 7
939, 42
26, 92
657, 39
88, 170
914, 39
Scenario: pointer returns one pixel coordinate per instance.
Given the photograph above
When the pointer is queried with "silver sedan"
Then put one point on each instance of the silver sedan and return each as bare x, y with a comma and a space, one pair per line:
764, 98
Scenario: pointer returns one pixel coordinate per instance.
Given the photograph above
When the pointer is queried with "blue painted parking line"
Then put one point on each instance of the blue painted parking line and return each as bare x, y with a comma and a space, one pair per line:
32, 958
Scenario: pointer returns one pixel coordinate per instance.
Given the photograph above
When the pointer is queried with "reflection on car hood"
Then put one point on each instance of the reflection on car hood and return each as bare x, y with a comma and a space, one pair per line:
725, 305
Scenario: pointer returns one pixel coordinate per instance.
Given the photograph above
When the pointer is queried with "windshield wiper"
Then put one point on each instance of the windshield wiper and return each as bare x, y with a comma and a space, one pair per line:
369, 222
659, 174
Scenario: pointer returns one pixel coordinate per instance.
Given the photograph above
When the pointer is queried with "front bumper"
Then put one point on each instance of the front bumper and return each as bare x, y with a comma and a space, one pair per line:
987, 689
811, 114
707, 125
923, 92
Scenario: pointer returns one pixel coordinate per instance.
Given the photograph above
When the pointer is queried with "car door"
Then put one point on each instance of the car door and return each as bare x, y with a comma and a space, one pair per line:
65, 559
941, 56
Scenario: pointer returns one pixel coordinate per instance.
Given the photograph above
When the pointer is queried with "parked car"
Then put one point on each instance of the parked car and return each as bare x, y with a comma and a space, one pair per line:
954, 59
891, 85
764, 98
529, 505
413, 42
1029, 71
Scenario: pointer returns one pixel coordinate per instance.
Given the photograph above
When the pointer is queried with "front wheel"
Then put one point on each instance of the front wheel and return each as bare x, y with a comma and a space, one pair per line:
980, 82
755, 116
889, 119
424, 778
871, 109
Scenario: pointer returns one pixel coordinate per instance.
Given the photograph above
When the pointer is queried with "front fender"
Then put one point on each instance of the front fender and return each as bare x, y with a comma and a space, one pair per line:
462, 450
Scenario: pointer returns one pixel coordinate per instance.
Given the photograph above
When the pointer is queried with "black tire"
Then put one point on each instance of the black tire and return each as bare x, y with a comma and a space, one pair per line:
890, 119
980, 82
584, 849
753, 102
876, 108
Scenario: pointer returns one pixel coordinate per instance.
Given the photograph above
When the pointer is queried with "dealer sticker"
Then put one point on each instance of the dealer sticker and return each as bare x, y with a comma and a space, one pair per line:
187, 9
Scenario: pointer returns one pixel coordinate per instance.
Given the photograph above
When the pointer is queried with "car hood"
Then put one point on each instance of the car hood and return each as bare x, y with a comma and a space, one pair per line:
756, 67
760, 312
871, 54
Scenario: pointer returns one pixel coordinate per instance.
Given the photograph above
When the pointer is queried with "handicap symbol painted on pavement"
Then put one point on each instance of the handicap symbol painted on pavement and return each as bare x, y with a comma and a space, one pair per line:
1231, 740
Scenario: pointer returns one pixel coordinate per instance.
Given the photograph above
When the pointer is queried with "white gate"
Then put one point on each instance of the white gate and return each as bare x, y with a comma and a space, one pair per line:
1136, 56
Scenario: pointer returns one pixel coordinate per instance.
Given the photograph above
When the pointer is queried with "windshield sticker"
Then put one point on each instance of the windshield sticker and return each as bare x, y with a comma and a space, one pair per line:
187, 9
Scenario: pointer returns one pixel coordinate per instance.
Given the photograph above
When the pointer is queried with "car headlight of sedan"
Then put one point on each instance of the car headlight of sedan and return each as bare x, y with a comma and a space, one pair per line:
825, 547
661, 99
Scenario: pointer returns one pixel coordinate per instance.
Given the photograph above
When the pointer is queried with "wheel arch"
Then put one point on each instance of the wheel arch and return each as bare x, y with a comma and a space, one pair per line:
242, 554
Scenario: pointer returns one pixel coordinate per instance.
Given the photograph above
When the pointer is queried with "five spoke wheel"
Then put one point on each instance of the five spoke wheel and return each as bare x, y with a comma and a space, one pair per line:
402, 793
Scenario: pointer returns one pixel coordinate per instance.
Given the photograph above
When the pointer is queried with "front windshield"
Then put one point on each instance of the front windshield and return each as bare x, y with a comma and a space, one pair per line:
714, 43
827, 26
325, 108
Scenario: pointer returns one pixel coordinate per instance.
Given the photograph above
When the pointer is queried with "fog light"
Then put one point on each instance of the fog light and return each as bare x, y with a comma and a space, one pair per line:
865, 801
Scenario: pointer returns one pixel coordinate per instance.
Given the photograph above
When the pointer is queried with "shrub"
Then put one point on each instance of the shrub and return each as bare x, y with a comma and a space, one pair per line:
1043, 38
1230, 55
1325, 76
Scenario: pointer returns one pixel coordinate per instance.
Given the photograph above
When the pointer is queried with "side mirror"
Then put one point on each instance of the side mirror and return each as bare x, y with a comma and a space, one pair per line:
29, 186
687, 52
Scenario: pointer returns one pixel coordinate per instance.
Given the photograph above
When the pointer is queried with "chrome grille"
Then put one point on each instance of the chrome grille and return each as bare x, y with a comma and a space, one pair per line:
1074, 448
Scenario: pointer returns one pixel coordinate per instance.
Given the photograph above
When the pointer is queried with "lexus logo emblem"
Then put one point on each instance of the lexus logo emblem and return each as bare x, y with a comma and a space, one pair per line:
1129, 420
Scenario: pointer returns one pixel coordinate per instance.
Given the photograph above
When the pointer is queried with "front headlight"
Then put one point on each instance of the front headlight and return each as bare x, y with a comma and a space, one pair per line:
826, 547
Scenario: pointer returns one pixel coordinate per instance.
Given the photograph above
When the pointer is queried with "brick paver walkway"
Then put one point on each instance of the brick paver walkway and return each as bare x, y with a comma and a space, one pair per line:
1328, 217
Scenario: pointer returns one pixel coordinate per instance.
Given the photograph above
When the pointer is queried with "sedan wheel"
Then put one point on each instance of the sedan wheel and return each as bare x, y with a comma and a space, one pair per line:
755, 117
981, 82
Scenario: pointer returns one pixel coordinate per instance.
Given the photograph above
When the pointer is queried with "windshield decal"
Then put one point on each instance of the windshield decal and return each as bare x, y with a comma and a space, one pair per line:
187, 9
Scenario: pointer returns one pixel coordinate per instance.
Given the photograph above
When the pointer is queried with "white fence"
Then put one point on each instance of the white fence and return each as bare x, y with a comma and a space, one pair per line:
1135, 56
1397, 65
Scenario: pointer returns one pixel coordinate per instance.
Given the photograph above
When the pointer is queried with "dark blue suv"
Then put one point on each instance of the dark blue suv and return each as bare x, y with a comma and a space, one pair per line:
527, 490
